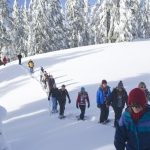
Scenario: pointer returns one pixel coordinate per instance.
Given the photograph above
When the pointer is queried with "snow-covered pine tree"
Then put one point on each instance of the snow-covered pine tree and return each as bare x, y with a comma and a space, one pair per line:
114, 21
5, 27
121, 30
56, 31
47, 31
77, 18
129, 16
145, 19
93, 20
25, 26
18, 29
101, 21
30, 17
134, 17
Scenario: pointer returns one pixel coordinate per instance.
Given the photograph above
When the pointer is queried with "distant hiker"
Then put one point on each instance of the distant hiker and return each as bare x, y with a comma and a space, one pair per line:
45, 79
62, 101
82, 99
133, 130
51, 82
118, 99
19, 58
31, 65
4, 60
41, 74
143, 87
103, 95
55, 95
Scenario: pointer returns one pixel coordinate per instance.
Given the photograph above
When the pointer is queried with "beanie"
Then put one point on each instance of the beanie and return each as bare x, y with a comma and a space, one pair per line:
82, 89
137, 96
104, 82
120, 84
142, 85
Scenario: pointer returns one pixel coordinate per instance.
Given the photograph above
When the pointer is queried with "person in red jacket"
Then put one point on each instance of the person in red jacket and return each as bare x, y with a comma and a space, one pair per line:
4, 60
81, 102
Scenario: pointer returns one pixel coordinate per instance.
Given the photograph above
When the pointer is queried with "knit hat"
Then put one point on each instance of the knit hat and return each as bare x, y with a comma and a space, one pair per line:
137, 96
82, 89
104, 82
142, 84
120, 84
63, 85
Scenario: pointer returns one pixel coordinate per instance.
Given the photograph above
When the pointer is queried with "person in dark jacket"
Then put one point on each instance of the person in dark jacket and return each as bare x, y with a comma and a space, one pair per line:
118, 100
19, 58
51, 82
103, 95
55, 96
133, 130
41, 74
62, 100
82, 99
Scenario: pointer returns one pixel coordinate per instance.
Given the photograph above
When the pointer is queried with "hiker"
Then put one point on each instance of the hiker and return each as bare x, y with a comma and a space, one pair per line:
31, 65
118, 100
19, 58
103, 94
133, 130
62, 100
82, 99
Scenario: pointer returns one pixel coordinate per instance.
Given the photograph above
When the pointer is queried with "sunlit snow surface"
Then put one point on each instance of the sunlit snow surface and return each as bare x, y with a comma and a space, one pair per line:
29, 125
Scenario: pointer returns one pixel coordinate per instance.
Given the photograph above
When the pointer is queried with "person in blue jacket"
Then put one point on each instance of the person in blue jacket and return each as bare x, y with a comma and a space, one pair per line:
133, 130
103, 95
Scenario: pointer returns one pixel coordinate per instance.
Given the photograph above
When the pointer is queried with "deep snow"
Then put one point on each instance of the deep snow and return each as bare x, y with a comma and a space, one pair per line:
29, 125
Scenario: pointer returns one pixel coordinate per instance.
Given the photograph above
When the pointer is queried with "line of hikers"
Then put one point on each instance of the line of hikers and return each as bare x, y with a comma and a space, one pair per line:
132, 126
59, 96
117, 98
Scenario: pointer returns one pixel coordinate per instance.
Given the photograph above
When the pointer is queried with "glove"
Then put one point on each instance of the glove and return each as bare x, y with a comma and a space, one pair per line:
69, 101
77, 106
48, 98
98, 106
88, 105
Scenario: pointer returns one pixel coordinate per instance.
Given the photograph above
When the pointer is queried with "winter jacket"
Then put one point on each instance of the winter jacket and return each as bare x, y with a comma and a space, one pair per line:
51, 82
4, 60
118, 98
133, 135
63, 95
102, 97
19, 56
82, 98
54, 92
30, 64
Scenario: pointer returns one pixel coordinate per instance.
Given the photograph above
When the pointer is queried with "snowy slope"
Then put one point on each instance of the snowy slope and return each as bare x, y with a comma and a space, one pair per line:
29, 126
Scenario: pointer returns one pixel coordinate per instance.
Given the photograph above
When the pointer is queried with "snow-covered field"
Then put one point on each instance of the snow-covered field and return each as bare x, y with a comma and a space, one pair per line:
29, 125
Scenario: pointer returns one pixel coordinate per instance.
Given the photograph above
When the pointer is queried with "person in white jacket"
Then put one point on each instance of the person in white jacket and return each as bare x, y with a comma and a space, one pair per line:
3, 143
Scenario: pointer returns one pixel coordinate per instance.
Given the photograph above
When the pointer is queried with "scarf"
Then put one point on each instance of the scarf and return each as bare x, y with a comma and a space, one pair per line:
137, 116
